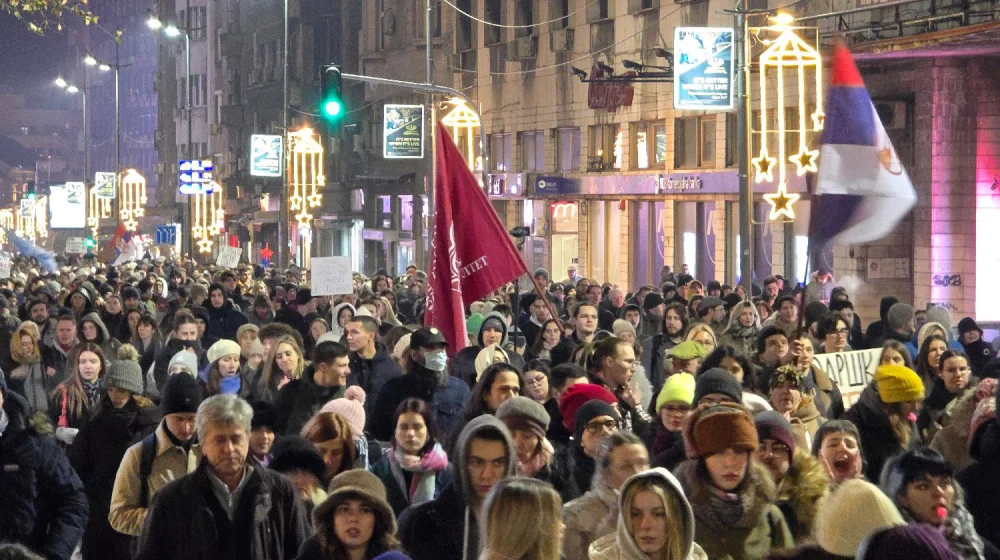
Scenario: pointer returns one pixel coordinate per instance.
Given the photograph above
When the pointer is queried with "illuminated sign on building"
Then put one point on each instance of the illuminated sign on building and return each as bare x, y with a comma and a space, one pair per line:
196, 176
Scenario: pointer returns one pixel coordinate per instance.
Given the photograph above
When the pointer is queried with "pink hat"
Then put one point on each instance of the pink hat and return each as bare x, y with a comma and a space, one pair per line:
986, 411
351, 410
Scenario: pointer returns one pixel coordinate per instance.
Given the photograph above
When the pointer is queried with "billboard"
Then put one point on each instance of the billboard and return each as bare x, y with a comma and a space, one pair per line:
68, 206
265, 155
403, 131
104, 185
703, 78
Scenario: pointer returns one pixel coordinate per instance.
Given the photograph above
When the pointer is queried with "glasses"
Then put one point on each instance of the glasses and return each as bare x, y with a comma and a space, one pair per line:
597, 427
772, 448
841, 332
537, 380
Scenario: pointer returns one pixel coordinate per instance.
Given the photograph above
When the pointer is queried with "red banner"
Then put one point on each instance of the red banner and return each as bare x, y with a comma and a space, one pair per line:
471, 253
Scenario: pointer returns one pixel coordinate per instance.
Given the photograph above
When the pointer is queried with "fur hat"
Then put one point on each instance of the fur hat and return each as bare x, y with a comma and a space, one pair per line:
717, 380
126, 375
223, 348
714, 428
351, 484
851, 513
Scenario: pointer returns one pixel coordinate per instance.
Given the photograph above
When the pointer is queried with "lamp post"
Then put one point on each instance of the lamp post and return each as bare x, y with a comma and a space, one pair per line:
90, 60
171, 31
72, 89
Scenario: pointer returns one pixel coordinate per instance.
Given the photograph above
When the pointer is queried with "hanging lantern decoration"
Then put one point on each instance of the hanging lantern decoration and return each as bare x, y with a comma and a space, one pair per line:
133, 199
97, 209
42, 218
305, 176
7, 221
208, 217
791, 67
464, 122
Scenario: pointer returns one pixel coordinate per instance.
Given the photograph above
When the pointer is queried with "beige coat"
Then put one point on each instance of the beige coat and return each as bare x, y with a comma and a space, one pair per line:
588, 518
127, 515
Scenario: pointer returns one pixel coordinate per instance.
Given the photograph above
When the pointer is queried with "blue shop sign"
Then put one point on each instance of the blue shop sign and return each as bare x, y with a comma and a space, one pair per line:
547, 184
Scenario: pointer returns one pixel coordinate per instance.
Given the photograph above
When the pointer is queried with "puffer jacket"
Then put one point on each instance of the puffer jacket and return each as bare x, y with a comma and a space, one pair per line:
621, 545
42, 500
761, 527
589, 517
801, 491
224, 321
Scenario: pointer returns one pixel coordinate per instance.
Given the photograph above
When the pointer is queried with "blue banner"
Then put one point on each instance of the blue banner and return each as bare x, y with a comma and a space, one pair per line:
703, 78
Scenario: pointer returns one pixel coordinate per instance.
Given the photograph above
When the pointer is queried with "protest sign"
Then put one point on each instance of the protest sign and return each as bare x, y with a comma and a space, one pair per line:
331, 276
229, 257
851, 370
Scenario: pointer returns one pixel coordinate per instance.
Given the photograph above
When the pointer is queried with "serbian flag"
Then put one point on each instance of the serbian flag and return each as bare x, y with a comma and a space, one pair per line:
862, 190
471, 253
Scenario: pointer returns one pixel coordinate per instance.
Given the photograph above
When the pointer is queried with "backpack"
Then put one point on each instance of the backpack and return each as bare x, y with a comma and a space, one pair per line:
147, 455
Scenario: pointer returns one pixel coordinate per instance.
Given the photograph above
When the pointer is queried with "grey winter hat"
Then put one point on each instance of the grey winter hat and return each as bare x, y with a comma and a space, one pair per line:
938, 314
125, 375
187, 359
523, 408
900, 315
718, 381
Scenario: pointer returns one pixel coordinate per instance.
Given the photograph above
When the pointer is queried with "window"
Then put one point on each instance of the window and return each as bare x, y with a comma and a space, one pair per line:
558, 12
649, 146
419, 9
492, 13
598, 10
500, 152
218, 107
639, 5
182, 92
199, 90
602, 36
533, 151
568, 146
694, 142
465, 41
732, 141
605, 147
524, 15
660, 143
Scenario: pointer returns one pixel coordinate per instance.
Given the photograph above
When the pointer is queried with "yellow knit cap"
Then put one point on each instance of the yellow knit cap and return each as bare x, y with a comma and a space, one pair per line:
679, 387
898, 384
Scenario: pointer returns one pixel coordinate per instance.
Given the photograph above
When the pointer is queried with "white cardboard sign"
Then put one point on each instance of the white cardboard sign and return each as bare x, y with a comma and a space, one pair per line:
331, 276
229, 257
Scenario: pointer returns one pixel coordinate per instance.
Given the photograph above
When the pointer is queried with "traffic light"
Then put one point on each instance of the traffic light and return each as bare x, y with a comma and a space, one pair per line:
30, 190
331, 102
89, 243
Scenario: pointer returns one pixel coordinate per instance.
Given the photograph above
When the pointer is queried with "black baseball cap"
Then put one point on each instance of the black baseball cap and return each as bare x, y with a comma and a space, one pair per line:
427, 337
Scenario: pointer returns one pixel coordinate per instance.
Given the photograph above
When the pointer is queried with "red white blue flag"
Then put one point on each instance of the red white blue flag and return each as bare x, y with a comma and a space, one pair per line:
862, 190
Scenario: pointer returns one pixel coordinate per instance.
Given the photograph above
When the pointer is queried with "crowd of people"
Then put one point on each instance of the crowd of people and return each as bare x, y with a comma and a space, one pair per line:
164, 409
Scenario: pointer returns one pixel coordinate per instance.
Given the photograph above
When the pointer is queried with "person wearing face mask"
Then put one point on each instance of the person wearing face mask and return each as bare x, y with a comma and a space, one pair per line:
655, 521
224, 377
322, 381
953, 382
732, 495
123, 418
922, 485
426, 378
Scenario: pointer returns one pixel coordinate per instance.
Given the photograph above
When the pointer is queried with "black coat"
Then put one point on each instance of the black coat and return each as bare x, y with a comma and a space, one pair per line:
96, 454
224, 321
293, 319
878, 443
299, 400
42, 501
399, 497
435, 530
447, 401
371, 375
185, 520
8, 324
980, 482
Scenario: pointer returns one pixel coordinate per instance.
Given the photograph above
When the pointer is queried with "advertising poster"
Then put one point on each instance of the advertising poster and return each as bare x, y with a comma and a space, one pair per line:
265, 155
104, 185
68, 206
703, 78
403, 132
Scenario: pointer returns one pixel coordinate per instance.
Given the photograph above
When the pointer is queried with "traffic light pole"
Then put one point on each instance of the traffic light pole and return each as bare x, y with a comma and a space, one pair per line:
430, 88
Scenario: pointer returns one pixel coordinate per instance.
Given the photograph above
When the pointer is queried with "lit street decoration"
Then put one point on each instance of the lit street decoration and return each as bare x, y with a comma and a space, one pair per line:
133, 199
208, 217
98, 208
464, 122
195, 176
786, 65
7, 221
306, 176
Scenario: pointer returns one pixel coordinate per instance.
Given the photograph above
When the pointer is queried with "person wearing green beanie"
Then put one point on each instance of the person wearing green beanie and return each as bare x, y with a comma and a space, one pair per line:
472, 325
886, 416
672, 406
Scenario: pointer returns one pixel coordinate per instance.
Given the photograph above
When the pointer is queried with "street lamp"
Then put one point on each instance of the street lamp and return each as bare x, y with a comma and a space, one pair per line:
103, 66
171, 31
61, 82
72, 89
89, 60
153, 22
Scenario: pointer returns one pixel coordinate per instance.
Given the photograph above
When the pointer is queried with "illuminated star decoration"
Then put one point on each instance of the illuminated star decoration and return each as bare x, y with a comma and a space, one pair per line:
781, 203
804, 161
763, 167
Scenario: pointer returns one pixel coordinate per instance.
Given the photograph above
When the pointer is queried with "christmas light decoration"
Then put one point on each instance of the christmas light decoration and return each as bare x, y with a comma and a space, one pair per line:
305, 175
42, 218
97, 209
133, 199
463, 122
7, 221
787, 58
208, 217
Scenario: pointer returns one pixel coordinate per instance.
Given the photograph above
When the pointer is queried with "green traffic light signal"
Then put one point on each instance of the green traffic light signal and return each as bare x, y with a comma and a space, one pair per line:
332, 106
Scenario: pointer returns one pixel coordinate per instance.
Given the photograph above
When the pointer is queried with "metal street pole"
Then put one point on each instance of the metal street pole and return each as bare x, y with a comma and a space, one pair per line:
283, 241
118, 136
190, 107
743, 147
86, 137
431, 160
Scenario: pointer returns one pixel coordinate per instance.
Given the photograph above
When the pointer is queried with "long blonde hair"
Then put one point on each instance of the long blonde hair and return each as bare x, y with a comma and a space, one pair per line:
269, 377
506, 534
30, 330
674, 548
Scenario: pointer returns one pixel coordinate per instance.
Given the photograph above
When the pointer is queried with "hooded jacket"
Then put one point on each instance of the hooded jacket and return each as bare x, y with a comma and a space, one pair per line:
371, 375
162, 364
446, 527
109, 345
87, 307
464, 364
42, 501
300, 399
335, 328
224, 321
760, 527
877, 439
621, 545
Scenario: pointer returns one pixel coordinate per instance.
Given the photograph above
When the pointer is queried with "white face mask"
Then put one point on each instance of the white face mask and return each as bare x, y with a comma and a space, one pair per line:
436, 361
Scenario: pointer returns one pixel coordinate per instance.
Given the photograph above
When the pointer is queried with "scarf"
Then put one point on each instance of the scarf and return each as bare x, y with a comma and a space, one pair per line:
538, 461
229, 385
93, 392
424, 469
959, 530
663, 440
722, 510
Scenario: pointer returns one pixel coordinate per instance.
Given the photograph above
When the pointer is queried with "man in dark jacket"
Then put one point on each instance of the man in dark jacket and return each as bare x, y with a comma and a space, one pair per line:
322, 381
224, 317
184, 336
42, 501
229, 508
586, 325
971, 336
427, 379
877, 328
898, 325
371, 364
300, 316
233, 291
54, 356
485, 455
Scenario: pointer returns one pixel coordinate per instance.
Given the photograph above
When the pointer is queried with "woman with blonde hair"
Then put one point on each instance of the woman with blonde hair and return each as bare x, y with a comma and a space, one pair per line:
28, 379
283, 363
655, 522
704, 335
388, 315
743, 328
502, 526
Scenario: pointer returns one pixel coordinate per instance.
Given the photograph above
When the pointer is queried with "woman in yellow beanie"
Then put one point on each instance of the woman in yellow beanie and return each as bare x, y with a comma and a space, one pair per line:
886, 416
666, 441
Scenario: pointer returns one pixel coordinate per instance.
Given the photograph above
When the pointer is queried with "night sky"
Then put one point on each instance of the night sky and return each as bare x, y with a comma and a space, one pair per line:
29, 62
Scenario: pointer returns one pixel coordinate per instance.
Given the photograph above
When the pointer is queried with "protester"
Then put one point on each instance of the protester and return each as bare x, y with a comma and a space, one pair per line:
952, 382
654, 350
979, 351
788, 399
536, 458
612, 366
978, 479
952, 441
285, 362
371, 366
74, 401
29, 378
256, 512
816, 383
184, 336
262, 432
224, 376
743, 328
499, 382
837, 446
589, 414
666, 441
504, 533
321, 381
334, 440
928, 362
